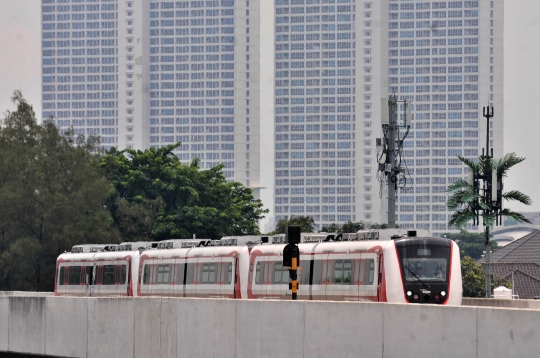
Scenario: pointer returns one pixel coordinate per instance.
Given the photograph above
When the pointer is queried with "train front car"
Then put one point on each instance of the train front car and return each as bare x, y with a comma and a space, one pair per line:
430, 270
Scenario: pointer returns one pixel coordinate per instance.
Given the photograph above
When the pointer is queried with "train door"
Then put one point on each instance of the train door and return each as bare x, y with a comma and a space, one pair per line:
278, 280
359, 275
303, 277
62, 274
233, 277
193, 276
148, 277
177, 277
322, 276
226, 276
381, 289
371, 273
258, 286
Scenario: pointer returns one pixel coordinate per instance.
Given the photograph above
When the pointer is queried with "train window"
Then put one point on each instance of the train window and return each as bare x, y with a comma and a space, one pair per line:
212, 273
209, 273
342, 272
61, 280
108, 274
189, 273
281, 275
370, 272
163, 274
229, 273
259, 269
75, 275
424, 262
146, 274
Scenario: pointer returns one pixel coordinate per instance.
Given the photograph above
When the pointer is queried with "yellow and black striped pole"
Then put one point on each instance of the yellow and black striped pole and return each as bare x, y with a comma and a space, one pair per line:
294, 277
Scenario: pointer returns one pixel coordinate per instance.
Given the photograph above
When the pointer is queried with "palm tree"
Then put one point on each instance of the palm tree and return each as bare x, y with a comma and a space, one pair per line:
465, 200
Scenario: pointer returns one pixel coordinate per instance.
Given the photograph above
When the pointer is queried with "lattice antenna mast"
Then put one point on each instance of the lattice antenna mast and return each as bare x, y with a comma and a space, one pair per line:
391, 146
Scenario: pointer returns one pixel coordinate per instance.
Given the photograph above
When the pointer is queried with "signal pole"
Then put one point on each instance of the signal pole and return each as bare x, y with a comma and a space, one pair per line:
291, 256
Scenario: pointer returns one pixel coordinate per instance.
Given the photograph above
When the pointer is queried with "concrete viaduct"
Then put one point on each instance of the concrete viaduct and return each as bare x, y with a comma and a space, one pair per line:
45, 325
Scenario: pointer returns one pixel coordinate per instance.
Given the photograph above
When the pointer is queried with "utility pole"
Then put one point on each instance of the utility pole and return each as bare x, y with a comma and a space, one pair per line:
489, 200
393, 146
391, 161
491, 197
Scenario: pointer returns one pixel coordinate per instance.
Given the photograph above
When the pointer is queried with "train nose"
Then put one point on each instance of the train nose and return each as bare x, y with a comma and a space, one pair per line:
427, 297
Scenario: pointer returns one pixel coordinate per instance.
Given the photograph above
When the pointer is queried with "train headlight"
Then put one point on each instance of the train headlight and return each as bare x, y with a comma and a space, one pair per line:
409, 293
443, 293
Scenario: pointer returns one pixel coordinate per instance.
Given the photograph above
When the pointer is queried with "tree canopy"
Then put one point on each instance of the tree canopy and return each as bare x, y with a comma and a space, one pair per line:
51, 197
473, 275
347, 227
58, 190
463, 195
156, 196
470, 244
306, 224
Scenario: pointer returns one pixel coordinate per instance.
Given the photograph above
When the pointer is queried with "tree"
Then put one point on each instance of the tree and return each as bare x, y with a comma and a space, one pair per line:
347, 227
331, 228
470, 244
52, 194
473, 274
157, 197
463, 195
306, 224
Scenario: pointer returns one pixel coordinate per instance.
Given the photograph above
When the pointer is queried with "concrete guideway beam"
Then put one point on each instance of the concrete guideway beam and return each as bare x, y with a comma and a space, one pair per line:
187, 327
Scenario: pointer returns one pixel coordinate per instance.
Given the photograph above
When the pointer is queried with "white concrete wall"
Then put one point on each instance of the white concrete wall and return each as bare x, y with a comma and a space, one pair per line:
169, 327
501, 303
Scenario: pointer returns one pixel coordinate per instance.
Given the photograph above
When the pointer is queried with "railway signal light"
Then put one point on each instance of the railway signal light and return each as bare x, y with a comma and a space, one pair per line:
291, 256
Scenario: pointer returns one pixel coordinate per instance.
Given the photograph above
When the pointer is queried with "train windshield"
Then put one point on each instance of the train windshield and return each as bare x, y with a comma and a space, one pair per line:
424, 263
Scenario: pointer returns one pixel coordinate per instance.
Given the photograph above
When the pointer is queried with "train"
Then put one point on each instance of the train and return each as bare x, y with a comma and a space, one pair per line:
373, 266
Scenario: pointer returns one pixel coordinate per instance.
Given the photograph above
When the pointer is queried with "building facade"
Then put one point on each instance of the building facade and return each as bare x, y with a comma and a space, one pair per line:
151, 73
335, 60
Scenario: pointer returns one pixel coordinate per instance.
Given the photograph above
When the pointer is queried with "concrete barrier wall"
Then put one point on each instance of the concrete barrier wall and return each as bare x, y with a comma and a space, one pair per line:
25, 294
175, 327
491, 302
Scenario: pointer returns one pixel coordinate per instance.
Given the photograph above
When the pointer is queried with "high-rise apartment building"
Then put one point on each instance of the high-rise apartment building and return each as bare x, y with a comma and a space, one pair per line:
151, 73
335, 59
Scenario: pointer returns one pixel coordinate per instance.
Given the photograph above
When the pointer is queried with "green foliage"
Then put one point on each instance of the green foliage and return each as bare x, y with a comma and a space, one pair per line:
51, 197
471, 244
305, 222
379, 226
473, 277
347, 227
155, 196
463, 196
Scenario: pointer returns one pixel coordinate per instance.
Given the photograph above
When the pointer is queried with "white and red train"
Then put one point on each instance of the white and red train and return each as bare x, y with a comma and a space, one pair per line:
411, 269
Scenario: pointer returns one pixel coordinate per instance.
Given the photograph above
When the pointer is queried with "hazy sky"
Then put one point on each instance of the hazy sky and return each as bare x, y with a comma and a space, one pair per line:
20, 69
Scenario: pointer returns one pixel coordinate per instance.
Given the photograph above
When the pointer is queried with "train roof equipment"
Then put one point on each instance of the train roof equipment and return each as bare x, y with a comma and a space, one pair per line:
137, 245
93, 248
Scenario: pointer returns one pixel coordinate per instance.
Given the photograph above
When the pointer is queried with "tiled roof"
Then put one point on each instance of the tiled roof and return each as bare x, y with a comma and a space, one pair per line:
525, 278
524, 250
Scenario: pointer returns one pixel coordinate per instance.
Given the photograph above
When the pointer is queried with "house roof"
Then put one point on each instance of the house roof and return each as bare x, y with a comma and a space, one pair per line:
524, 250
